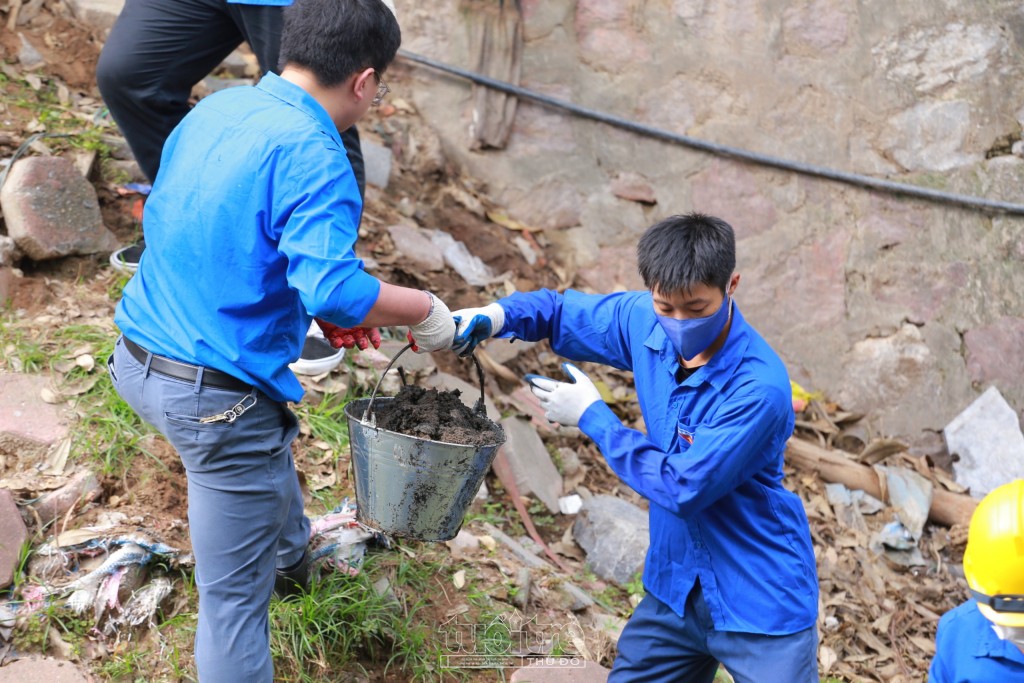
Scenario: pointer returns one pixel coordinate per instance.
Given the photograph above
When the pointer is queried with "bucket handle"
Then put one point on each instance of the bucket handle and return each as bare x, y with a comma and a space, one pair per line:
480, 407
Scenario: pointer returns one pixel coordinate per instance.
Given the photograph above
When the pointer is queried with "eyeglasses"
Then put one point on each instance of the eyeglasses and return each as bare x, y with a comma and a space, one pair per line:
382, 90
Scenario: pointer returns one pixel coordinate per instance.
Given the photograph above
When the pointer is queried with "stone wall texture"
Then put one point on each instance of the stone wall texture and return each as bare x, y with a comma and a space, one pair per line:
903, 309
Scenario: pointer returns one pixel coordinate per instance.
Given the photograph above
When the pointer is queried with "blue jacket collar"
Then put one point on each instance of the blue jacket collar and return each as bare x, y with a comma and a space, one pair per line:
991, 645
288, 92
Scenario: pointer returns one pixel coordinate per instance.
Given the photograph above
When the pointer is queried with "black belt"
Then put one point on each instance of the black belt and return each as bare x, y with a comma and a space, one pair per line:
185, 371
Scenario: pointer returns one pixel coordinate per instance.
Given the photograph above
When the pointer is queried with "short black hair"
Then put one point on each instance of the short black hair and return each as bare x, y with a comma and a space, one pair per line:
337, 38
682, 251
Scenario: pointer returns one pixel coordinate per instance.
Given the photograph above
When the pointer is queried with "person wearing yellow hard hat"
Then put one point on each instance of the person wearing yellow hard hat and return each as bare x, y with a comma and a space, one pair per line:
983, 639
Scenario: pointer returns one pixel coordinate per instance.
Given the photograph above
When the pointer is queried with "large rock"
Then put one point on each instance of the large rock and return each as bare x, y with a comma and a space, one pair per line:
376, 162
43, 670
28, 424
52, 211
897, 369
615, 535
930, 59
931, 136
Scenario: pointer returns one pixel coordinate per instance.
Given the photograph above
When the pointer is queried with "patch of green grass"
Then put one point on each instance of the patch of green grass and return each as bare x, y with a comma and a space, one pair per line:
540, 515
635, 586
21, 350
109, 431
326, 420
490, 512
32, 633
343, 620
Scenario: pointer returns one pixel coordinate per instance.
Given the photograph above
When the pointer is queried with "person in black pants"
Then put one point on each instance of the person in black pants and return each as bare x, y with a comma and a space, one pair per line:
158, 49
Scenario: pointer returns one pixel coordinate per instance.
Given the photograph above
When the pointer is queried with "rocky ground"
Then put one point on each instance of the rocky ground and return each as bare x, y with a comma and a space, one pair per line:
878, 609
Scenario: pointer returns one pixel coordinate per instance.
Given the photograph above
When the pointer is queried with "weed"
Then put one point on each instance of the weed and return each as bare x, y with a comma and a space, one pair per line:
489, 513
343, 619
326, 420
539, 514
21, 570
635, 586
22, 351
32, 633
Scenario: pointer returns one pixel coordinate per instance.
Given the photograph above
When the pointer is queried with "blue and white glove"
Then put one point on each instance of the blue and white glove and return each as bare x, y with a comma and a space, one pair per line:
473, 325
565, 402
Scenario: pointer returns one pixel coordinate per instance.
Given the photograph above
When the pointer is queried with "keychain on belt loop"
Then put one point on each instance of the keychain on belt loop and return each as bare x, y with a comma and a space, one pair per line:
233, 413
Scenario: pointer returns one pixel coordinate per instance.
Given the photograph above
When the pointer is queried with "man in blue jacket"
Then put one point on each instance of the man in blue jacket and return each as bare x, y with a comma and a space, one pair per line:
730, 574
982, 640
252, 225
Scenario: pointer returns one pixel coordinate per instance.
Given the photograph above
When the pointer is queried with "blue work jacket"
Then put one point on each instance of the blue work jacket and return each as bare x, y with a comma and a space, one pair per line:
967, 650
250, 230
710, 463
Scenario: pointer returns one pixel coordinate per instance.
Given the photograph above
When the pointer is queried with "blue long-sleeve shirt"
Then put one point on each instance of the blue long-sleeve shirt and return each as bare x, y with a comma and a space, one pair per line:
710, 463
250, 230
967, 650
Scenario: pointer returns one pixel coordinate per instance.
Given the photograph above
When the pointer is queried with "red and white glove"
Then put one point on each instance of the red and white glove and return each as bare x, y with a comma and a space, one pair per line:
349, 337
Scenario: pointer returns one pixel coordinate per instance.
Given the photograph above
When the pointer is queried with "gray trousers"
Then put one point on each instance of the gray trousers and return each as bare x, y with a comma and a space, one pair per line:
245, 508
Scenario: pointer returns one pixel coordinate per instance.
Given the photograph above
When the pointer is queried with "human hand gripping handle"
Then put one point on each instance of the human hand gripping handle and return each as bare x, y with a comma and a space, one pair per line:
565, 402
349, 337
436, 331
473, 325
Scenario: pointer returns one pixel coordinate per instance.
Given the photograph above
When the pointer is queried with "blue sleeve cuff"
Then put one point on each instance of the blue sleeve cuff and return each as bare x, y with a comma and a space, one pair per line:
597, 420
353, 299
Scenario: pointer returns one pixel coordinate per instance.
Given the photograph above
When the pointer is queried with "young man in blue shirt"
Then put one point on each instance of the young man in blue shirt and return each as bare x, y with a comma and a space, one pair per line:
251, 227
982, 640
730, 574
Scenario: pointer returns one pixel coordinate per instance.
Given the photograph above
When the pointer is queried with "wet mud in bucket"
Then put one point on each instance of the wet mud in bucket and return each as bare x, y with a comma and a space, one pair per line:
419, 459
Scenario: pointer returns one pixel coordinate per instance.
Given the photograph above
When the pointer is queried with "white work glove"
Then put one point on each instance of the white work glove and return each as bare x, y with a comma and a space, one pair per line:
436, 331
565, 402
473, 325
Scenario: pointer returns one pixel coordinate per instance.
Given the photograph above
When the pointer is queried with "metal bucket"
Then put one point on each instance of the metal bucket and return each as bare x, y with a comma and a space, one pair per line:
409, 486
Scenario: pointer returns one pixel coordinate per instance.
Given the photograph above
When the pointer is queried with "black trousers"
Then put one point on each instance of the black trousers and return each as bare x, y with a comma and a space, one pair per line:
159, 49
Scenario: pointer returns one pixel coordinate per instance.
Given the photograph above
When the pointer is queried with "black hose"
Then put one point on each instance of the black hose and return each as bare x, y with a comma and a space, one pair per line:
965, 201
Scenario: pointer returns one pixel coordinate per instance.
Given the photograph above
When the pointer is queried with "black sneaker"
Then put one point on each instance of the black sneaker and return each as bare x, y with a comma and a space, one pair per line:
293, 581
126, 259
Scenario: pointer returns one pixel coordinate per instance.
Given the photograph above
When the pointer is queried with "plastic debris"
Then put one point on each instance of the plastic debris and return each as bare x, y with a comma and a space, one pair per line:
570, 505
124, 558
135, 188
910, 495
457, 255
802, 397
987, 438
339, 541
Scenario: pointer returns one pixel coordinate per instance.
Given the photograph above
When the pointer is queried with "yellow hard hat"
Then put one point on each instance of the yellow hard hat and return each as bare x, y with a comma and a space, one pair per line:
994, 559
